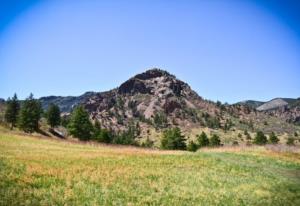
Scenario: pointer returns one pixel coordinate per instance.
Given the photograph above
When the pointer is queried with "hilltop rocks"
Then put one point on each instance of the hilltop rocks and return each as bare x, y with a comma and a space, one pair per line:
133, 86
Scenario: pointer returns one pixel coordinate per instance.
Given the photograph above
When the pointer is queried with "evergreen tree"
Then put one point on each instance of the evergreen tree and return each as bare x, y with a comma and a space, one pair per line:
260, 138
173, 139
80, 125
53, 115
12, 111
203, 140
273, 138
215, 140
30, 115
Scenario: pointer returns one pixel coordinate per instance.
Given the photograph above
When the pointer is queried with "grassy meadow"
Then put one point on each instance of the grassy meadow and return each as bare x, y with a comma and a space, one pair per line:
43, 171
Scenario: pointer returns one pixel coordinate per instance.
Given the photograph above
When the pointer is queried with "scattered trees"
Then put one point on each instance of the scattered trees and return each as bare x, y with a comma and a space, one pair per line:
273, 139
12, 111
30, 115
53, 115
260, 138
173, 139
80, 125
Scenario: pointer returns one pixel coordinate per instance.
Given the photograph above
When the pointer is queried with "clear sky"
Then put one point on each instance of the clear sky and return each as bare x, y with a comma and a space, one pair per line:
226, 50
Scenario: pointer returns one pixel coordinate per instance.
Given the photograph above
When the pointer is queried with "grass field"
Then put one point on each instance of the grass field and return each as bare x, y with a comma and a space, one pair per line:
40, 171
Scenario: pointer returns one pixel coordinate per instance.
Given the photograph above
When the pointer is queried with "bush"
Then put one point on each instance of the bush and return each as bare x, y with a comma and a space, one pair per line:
101, 135
202, 139
124, 138
147, 143
173, 139
260, 138
273, 139
80, 125
290, 141
215, 140
192, 146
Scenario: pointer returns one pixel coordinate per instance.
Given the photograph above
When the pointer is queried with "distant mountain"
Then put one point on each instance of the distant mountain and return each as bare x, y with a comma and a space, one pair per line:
251, 103
287, 109
65, 103
273, 104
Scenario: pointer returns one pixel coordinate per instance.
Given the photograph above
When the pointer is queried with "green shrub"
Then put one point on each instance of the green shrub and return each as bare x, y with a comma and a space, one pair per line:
192, 146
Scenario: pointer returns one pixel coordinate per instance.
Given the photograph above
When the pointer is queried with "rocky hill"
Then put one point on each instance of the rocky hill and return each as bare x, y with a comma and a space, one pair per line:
154, 98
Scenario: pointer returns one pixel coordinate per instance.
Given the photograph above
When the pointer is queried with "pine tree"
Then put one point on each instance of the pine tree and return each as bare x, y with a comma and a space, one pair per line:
273, 138
30, 115
173, 139
80, 125
12, 111
215, 140
53, 115
202, 139
260, 138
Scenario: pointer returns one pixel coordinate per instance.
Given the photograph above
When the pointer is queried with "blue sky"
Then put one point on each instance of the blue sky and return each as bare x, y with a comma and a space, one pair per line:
226, 50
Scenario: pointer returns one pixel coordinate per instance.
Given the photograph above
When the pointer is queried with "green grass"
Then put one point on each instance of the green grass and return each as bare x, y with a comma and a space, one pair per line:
39, 171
